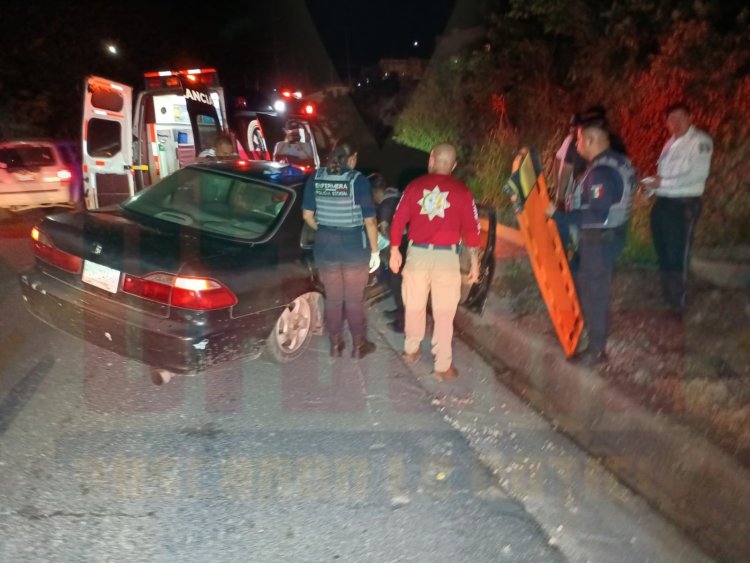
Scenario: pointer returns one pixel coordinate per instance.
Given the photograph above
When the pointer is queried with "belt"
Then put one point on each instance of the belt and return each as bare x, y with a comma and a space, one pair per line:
453, 247
602, 235
358, 227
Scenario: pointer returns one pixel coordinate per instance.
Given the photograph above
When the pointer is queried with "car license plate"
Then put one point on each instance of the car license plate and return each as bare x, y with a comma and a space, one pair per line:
101, 276
25, 176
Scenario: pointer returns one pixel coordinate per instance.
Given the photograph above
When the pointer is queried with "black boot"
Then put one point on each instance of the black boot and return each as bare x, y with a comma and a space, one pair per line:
337, 345
362, 347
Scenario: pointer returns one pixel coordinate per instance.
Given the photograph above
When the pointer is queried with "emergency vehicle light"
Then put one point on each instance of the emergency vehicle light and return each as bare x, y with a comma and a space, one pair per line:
309, 109
177, 72
170, 78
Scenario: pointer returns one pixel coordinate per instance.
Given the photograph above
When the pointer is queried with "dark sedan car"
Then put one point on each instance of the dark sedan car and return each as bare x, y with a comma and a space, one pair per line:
210, 264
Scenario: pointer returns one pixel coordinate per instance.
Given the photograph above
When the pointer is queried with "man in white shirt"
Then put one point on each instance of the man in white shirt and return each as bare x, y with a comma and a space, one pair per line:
293, 149
683, 168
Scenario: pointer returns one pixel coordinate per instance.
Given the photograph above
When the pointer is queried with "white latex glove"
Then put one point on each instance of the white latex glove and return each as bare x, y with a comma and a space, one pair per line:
374, 261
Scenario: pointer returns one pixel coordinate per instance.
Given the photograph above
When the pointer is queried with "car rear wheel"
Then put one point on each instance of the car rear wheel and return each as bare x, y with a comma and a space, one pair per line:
294, 328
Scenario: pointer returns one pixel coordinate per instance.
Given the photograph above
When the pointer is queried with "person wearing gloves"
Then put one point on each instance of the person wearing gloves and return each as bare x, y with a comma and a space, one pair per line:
337, 203
683, 168
441, 214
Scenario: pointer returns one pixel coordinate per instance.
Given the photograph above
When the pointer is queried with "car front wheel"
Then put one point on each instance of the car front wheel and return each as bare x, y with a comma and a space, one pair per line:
294, 328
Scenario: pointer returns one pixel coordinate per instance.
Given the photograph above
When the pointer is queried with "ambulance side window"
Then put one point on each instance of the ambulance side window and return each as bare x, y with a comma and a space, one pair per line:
104, 98
103, 138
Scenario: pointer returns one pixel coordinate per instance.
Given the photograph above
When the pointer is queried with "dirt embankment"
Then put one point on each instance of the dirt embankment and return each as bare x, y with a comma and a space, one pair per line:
695, 366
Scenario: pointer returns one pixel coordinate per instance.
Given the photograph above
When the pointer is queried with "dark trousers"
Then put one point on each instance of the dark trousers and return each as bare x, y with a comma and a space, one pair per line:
393, 281
672, 227
342, 263
592, 269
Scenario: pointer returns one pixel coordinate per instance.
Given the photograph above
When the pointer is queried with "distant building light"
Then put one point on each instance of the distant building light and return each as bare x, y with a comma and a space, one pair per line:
385, 75
416, 43
112, 49
359, 84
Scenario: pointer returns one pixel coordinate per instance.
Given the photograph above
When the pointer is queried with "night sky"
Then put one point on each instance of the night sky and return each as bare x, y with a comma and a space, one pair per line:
48, 47
251, 43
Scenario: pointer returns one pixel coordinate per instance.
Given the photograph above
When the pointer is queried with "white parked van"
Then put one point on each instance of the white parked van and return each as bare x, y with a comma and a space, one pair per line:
37, 173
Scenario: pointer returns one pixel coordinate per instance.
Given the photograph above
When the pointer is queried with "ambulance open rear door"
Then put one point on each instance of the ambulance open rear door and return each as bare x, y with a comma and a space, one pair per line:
107, 142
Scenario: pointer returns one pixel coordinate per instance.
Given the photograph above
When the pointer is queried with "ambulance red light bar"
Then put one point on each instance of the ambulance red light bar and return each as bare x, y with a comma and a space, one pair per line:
309, 109
171, 78
287, 93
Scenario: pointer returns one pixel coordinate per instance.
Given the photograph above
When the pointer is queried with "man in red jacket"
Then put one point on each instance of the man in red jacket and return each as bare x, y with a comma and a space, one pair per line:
441, 213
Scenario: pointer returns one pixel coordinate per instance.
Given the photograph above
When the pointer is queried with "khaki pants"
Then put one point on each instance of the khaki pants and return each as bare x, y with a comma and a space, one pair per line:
438, 272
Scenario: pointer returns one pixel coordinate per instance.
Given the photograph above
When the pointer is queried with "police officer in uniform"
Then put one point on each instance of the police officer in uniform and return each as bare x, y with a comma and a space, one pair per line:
337, 204
441, 213
601, 205
683, 167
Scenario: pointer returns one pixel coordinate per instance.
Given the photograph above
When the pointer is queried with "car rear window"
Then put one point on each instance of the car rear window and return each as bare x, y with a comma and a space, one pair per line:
27, 156
214, 202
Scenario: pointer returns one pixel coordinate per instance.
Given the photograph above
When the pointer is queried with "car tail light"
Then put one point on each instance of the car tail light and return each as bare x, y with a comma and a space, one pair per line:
185, 292
45, 249
64, 175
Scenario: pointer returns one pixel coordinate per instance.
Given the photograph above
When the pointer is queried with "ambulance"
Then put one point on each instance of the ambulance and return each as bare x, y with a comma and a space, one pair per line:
133, 139
261, 122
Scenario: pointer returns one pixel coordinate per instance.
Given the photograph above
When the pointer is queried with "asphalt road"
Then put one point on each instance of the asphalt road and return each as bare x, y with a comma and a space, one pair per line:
312, 461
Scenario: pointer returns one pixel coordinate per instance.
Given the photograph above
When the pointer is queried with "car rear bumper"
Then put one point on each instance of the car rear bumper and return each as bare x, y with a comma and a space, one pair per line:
180, 346
46, 195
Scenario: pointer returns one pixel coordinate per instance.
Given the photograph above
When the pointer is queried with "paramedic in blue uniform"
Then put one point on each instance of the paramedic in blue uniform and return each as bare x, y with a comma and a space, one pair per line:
337, 204
683, 168
601, 206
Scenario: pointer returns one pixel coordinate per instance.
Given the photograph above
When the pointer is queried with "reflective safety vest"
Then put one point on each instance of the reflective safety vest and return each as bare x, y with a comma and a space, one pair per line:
335, 205
619, 212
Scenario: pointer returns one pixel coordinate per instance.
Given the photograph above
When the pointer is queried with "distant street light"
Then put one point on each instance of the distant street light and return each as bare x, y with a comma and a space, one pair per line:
416, 43
112, 49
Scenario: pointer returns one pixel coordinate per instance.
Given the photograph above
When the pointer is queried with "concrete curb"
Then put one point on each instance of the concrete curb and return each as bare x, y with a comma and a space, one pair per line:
693, 482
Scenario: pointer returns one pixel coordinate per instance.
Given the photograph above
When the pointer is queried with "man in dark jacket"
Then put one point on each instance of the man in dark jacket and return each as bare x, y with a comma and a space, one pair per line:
386, 199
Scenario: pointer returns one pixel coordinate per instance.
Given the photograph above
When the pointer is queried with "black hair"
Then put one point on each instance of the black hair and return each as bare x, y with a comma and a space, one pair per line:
596, 123
679, 106
591, 114
378, 181
339, 155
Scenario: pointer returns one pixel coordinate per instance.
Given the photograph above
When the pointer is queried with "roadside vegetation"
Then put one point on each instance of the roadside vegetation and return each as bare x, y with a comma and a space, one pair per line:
540, 61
